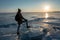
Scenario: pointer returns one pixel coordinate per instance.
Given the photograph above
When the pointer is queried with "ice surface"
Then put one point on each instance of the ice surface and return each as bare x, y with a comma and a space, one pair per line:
51, 26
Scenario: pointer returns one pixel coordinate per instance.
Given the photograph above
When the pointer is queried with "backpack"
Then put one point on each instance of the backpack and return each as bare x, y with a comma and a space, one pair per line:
18, 18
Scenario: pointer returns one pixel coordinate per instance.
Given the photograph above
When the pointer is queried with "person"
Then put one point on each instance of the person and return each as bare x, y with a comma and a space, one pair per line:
19, 18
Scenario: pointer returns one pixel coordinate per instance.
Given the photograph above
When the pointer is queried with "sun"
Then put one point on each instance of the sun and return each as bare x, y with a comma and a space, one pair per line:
46, 8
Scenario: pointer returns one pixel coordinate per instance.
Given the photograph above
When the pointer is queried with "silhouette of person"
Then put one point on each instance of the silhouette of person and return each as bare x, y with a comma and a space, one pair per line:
19, 18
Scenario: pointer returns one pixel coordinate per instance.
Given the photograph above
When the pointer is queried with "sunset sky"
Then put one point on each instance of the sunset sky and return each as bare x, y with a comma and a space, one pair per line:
29, 5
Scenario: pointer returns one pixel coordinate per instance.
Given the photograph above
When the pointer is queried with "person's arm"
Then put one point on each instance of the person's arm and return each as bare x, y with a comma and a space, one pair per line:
23, 17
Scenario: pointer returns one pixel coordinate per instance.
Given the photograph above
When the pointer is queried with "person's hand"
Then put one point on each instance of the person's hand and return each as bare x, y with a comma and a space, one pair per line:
26, 20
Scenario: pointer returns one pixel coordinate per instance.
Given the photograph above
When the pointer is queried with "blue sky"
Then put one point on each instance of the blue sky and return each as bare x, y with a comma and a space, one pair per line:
28, 5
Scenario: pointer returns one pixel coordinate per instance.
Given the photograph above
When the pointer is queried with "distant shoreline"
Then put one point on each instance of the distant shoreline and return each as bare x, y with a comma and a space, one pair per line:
34, 12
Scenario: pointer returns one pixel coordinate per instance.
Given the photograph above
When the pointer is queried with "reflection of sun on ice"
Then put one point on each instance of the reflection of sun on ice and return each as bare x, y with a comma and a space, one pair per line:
46, 15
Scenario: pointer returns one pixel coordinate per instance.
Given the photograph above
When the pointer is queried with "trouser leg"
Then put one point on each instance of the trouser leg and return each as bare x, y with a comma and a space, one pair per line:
27, 24
18, 28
